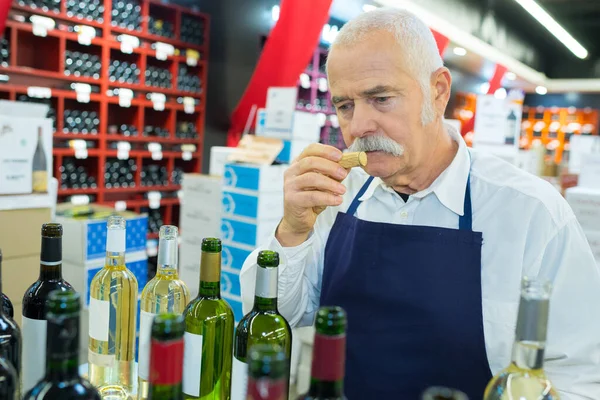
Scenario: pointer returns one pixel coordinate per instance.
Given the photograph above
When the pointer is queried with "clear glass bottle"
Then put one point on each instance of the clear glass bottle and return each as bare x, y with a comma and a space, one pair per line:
524, 378
165, 293
112, 322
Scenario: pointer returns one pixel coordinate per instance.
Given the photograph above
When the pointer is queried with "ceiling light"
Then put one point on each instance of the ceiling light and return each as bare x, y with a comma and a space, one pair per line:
484, 87
460, 51
275, 13
553, 27
500, 93
511, 76
541, 90
369, 7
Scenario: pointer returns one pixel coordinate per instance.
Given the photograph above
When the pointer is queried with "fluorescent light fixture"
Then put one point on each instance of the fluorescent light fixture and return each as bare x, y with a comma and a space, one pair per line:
460, 51
369, 7
511, 76
541, 90
484, 87
553, 27
275, 13
500, 93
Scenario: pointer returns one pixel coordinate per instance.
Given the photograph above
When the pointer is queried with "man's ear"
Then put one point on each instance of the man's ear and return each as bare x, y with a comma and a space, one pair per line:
441, 84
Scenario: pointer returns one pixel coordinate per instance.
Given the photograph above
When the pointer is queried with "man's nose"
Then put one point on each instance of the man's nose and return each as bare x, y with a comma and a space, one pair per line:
363, 122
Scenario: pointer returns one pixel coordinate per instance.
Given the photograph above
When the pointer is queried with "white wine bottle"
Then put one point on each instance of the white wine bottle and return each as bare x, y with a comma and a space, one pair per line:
165, 293
524, 378
113, 310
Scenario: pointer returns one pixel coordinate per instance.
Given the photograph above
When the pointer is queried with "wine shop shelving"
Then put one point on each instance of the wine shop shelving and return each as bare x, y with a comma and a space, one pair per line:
139, 125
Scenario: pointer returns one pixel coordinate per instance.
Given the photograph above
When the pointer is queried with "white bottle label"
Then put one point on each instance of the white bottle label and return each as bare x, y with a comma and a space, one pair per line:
146, 319
99, 311
239, 380
192, 362
34, 351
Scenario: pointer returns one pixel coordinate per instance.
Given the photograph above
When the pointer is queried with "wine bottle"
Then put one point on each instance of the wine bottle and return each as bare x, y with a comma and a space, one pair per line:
7, 306
40, 174
329, 356
33, 325
113, 310
443, 393
165, 293
9, 382
263, 324
10, 337
166, 357
268, 368
62, 380
209, 324
524, 378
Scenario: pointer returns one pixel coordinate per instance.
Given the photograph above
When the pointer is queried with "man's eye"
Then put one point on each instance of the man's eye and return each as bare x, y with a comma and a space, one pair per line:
382, 100
343, 107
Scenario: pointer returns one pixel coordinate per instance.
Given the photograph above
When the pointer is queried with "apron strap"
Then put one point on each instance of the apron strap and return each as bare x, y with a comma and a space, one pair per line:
465, 222
356, 202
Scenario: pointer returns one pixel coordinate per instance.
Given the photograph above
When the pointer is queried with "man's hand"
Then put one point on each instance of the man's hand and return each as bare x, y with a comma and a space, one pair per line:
311, 183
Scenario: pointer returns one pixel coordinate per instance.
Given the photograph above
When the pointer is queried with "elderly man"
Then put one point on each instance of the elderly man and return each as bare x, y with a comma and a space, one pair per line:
426, 248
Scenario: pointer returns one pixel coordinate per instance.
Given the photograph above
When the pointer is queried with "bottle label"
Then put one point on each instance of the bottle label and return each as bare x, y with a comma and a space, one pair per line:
115, 240
239, 379
192, 361
266, 282
166, 363
40, 181
34, 333
329, 357
146, 320
266, 389
99, 311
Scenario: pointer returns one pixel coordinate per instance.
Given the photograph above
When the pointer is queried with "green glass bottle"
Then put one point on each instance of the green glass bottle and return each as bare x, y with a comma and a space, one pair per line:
209, 324
268, 368
166, 357
329, 356
62, 380
262, 325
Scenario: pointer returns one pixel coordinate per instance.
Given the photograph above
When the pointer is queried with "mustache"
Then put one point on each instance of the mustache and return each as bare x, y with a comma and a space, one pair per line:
377, 143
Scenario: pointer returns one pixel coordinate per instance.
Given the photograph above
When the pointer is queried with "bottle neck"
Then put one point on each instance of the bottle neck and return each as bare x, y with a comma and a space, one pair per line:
210, 275
167, 258
266, 289
115, 248
528, 355
51, 259
62, 354
327, 373
115, 259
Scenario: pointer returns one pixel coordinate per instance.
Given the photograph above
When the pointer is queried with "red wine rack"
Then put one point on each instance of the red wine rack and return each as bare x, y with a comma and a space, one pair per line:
39, 61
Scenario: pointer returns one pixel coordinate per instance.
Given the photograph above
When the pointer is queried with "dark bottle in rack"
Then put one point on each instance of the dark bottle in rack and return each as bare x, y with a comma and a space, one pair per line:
188, 82
126, 14
161, 27
75, 176
91, 10
192, 30
119, 173
78, 121
4, 52
154, 175
123, 72
82, 64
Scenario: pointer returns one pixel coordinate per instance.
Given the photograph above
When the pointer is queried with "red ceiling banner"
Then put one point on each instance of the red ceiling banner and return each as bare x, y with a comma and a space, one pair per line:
4, 7
441, 41
285, 56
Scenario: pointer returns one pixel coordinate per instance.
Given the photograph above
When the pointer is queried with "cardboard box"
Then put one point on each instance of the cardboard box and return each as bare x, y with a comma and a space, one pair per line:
234, 256
258, 178
87, 237
301, 125
80, 275
190, 250
22, 233
236, 231
25, 148
586, 206
17, 275
218, 159
204, 188
201, 208
292, 149
258, 206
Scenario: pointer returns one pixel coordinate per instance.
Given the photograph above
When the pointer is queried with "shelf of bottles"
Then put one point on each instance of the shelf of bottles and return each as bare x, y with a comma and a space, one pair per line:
553, 126
125, 82
314, 97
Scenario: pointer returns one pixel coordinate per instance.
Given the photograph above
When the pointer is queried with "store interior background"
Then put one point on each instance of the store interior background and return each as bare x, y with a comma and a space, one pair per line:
238, 27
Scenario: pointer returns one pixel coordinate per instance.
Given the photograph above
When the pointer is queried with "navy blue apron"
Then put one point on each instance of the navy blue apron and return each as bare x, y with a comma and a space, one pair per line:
413, 299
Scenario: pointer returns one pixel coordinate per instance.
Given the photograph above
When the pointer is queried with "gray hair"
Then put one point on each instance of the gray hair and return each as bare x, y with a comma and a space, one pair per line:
416, 39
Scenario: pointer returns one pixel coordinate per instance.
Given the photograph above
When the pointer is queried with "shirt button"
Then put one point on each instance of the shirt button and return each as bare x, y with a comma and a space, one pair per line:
403, 215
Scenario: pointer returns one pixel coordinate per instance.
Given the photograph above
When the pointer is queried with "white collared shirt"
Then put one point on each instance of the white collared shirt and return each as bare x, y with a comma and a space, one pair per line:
528, 229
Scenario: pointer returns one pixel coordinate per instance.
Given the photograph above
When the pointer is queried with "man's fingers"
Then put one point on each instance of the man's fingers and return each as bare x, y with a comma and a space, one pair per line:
314, 198
317, 181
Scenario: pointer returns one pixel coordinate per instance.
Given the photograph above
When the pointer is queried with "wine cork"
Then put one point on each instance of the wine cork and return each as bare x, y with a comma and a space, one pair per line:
356, 159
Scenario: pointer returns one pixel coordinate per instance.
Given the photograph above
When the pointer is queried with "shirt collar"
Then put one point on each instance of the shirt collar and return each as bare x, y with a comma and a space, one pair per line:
449, 187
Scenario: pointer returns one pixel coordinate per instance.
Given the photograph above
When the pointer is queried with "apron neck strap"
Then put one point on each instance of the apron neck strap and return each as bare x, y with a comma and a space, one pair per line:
465, 222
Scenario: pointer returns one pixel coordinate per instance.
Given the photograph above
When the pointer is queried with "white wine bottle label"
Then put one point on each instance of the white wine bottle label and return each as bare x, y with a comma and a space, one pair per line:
99, 311
192, 361
101, 360
266, 282
239, 379
115, 240
146, 319
34, 351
